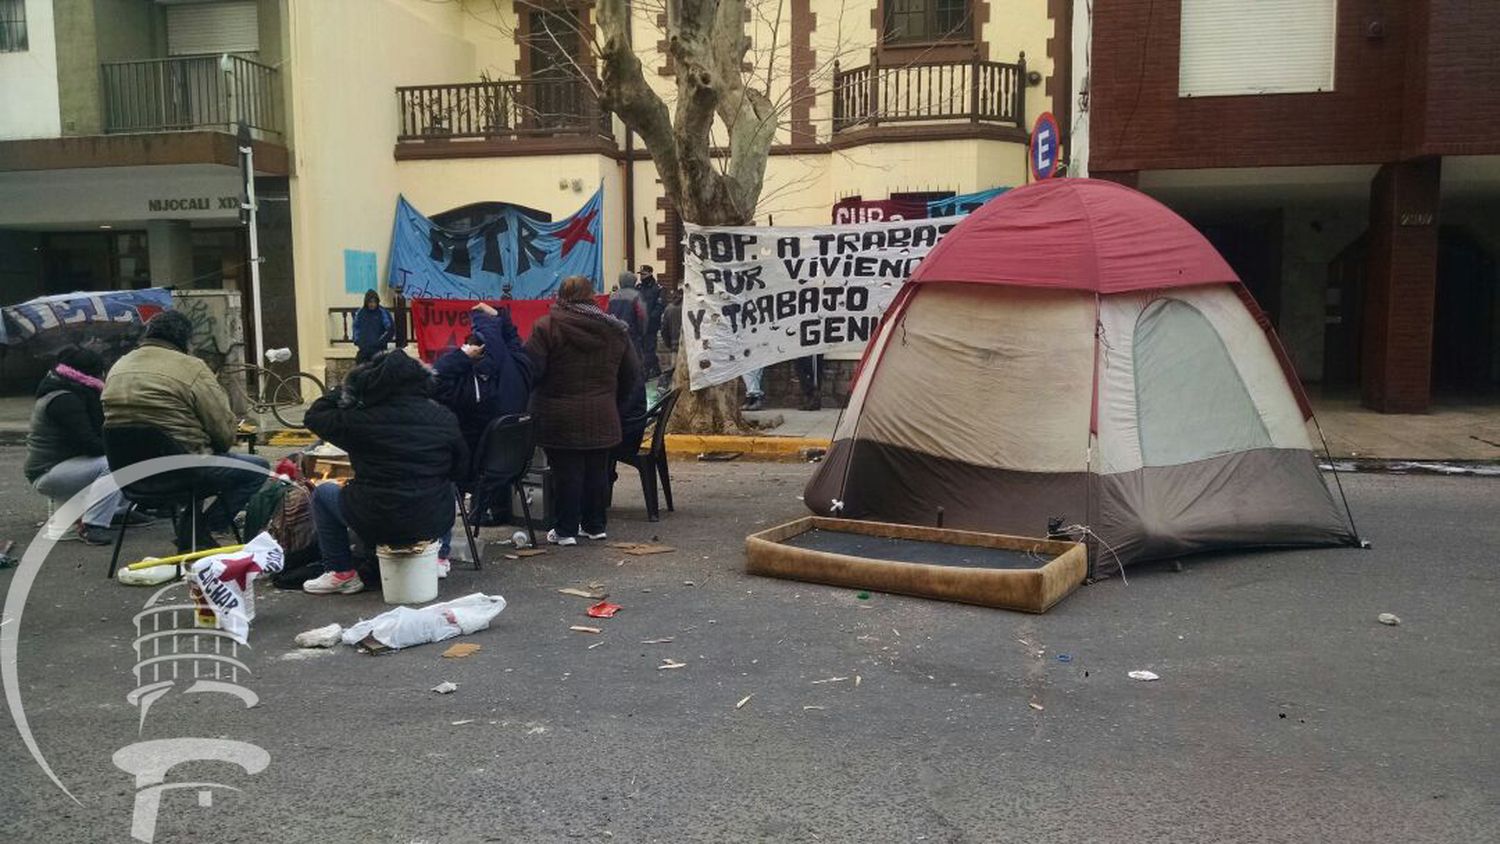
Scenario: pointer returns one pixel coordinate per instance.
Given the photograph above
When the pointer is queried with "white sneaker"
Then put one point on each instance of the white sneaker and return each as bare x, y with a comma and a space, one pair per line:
329, 583
444, 564
553, 538
597, 537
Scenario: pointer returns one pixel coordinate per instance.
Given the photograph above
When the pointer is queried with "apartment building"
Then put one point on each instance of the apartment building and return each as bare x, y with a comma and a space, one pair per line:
120, 127
1344, 155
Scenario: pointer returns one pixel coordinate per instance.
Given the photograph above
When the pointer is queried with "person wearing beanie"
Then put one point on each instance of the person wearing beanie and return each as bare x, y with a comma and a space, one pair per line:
159, 384
65, 446
374, 328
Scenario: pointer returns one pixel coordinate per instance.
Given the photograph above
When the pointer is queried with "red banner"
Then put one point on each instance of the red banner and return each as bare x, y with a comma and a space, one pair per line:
443, 324
856, 210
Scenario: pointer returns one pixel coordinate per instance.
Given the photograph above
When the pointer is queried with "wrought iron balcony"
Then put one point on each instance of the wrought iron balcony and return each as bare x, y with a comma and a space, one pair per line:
191, 92
970, 91
501, 110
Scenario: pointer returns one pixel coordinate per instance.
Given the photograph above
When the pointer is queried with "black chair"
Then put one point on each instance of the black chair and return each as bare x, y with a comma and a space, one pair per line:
502, 461
126, 445
651, 461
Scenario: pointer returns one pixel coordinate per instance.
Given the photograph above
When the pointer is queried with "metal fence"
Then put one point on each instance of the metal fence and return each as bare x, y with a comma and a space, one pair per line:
501, 109
190, 92
974, 91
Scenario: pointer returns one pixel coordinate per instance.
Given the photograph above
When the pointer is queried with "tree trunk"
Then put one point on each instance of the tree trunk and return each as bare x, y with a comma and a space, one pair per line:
708, 45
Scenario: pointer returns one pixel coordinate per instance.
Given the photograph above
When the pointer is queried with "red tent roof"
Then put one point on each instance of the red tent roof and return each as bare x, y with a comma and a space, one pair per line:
1083, 234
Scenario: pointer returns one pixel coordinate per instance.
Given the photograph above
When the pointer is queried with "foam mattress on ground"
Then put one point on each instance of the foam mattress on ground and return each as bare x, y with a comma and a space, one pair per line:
989, 569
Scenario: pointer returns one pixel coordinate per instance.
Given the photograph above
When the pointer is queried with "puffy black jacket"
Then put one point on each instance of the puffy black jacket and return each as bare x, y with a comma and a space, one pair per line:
405, 448
67, 421
497, 384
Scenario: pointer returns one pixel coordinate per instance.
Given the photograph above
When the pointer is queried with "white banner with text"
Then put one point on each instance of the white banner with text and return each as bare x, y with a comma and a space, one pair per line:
754, 296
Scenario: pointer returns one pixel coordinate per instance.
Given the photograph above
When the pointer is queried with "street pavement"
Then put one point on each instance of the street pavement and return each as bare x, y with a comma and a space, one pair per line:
1284, 712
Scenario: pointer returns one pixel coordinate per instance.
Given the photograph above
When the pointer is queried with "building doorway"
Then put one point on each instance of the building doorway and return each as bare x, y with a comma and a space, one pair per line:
1463, 336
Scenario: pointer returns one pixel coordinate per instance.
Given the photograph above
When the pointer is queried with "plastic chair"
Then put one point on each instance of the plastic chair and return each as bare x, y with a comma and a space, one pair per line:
125, 445
651, 461
503, 459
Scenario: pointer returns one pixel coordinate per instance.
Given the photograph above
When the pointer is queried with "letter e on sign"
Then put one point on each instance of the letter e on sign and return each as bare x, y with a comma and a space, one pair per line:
1046, 146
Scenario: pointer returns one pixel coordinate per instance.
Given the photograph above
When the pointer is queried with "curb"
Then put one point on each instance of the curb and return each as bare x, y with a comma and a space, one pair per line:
762, 449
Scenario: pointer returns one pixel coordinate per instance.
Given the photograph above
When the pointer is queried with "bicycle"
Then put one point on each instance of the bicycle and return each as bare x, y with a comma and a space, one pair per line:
285, 397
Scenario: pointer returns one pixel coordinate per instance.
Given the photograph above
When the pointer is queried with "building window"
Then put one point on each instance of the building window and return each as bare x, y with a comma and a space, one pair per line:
926, 21
13, 26
1231, 47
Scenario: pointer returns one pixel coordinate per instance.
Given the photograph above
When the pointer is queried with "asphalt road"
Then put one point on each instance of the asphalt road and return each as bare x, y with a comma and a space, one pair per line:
1284, 711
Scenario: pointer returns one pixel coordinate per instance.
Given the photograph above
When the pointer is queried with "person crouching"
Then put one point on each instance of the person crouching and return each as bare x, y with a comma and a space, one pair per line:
406, 451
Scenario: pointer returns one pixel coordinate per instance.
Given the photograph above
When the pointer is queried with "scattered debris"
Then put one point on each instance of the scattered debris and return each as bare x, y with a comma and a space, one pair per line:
579, 628
863, 596
531, 552
1144, 675
857, 680
670, 663
1064, 657
320, 637
511, 557
595, 645
6, 560
153, 576
806, 708
661, 641
641, 549
744, 700
463, 722
304, 653
829, 680
688, 583
583, 593
603, 609
719, 456
1388, 619
445, 688
1037, 706
461, 650
404, 627
519, 539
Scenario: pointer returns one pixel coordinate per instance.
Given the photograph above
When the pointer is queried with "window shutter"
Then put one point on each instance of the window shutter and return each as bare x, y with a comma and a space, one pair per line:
212, 28
1235, 47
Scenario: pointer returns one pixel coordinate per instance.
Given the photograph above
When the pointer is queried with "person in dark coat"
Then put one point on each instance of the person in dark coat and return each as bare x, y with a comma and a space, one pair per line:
586, 367
65, 446
671, 336
483, 380
374, 328
626, 305
406, 451
654, 297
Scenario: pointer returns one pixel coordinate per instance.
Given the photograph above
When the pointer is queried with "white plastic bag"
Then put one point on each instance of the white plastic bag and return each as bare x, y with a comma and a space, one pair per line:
404, 627
227, 581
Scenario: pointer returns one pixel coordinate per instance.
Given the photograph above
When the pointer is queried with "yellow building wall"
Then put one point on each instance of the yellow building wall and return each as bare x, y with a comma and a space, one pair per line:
345, 61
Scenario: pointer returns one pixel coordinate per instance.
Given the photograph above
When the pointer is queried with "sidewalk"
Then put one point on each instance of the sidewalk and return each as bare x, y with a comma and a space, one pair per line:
1468, 432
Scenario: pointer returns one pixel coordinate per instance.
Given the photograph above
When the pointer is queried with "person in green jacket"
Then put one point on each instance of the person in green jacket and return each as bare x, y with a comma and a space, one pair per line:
161, 385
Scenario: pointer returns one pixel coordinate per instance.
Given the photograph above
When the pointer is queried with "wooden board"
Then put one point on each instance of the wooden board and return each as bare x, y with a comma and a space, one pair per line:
1026, 589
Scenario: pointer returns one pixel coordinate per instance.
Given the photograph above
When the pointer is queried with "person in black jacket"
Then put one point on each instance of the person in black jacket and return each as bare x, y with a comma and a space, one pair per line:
486, 378
374, 328
65, 447
406, 451
655, 300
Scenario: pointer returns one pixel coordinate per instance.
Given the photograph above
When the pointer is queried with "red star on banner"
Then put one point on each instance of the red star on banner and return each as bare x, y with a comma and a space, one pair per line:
238, 569
577, 230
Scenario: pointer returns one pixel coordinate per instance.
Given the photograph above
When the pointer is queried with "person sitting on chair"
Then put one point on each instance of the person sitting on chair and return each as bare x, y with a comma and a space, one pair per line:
406, 451
484, 379
158, 384
65, 447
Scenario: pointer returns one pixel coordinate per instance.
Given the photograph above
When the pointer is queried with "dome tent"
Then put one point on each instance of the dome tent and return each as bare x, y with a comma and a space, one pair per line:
1075, 349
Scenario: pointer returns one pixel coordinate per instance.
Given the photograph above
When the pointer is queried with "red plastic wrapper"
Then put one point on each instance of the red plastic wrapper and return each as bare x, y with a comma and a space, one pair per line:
604, 609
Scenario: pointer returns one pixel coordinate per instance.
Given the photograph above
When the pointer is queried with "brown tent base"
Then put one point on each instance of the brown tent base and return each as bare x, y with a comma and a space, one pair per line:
988, 569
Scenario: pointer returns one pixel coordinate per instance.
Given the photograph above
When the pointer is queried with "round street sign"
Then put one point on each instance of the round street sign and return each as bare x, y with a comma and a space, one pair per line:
1046, 144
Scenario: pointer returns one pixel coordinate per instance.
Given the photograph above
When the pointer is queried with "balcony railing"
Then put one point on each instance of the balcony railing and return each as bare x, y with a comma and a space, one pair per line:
512, 109
933, 92
190, 92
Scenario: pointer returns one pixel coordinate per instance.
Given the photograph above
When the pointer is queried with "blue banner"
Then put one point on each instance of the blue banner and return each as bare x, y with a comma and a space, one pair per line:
954, 206
77, 317
514, 250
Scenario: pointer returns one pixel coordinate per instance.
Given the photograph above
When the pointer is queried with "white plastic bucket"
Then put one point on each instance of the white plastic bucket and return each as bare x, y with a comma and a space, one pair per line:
408, 578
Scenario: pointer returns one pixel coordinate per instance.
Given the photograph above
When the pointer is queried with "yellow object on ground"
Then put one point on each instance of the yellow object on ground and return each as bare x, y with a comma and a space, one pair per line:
788, 449
182, 558
292, 437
